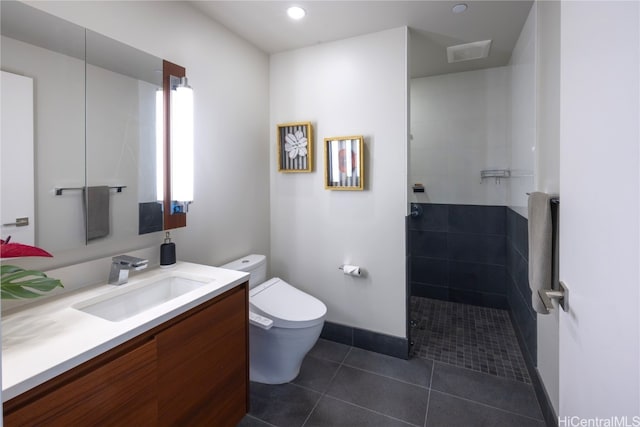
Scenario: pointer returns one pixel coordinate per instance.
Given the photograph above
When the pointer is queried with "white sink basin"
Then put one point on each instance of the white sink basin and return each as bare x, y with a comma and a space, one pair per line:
127, 302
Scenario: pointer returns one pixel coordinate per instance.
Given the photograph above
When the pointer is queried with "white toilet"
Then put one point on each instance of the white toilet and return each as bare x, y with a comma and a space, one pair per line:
285, 323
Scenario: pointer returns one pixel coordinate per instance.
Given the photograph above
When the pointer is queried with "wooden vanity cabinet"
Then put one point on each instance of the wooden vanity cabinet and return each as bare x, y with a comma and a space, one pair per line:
192, 370
202, 367
121, 391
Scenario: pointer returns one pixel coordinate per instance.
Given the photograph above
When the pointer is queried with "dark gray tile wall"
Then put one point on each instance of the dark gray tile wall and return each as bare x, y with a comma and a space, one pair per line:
474, 255
458, 253
518, 291
523, 317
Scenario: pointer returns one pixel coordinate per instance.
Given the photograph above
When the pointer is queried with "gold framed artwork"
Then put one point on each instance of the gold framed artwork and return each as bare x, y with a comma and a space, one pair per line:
295, 147
343, 159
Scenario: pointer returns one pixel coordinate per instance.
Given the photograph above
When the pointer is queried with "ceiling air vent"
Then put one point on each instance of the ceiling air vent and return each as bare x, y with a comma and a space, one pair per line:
468, 51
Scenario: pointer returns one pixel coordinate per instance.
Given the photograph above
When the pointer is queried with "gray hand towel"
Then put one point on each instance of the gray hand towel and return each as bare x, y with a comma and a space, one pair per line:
97, 211
540, 254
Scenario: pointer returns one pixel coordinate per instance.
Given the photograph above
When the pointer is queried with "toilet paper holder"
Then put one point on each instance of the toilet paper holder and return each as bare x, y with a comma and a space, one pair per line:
351, 270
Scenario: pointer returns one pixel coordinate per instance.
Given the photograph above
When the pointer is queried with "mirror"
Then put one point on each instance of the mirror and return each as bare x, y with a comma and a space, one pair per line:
121, 87
51, 52
94, 118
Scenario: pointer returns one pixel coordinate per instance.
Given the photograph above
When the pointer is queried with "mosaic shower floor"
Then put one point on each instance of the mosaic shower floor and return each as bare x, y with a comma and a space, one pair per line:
477, 338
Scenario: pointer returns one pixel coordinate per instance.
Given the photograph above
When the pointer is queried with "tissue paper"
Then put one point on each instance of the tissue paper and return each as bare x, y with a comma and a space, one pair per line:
351, 270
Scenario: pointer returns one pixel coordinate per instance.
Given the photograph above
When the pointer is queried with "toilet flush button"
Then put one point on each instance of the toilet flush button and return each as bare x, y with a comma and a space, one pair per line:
260, 321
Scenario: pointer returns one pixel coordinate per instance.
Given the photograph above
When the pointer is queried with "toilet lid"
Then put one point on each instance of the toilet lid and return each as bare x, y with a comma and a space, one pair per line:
287, 306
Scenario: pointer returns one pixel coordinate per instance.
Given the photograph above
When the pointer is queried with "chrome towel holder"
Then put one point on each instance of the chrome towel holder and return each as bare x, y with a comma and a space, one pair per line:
60, 190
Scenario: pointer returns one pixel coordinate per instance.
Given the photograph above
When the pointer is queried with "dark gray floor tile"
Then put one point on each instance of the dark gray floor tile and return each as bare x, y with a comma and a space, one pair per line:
399, 400
446, 411
283, 405
316, 373
335, 413
329, 350
249, 421
477, 338
415, 371
509, 395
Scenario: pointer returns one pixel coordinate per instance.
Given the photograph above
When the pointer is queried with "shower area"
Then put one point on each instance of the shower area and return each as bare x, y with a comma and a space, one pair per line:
470, 167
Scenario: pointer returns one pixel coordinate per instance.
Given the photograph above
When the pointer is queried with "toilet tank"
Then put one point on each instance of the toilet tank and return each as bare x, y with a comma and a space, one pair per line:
254, 264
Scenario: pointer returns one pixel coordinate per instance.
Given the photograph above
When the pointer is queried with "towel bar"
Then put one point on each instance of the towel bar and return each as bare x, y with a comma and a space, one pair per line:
59, 190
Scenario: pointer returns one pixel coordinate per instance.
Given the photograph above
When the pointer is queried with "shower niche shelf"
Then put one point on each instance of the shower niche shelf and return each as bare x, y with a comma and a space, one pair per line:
497, 174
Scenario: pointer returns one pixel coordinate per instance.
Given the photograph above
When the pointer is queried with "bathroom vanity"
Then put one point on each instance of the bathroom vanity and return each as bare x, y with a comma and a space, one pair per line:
183, 361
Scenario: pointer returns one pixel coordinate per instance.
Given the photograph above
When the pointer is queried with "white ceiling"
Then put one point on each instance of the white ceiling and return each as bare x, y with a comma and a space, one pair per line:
433, 26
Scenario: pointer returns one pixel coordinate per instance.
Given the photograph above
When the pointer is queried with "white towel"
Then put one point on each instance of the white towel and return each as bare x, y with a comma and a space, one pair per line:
540, 244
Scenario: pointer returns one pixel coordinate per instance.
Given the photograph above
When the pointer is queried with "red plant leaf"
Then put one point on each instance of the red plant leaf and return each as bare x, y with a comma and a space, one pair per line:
15, 250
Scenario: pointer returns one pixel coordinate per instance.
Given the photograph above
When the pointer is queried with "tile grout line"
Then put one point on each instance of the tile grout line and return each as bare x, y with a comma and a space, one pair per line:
489, 406
456, 260
310, 389
426, 412
370, 410
473, 371
385, 376
261, 420
344, 364
325, 391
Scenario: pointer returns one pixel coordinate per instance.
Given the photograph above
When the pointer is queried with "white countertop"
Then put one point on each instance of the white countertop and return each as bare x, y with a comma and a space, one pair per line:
46, 339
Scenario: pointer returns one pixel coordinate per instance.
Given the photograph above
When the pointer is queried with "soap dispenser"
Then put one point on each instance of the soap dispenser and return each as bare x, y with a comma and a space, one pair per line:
167, 252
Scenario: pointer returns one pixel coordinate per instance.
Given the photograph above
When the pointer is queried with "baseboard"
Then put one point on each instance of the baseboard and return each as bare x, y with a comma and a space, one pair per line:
550, 417
365, 339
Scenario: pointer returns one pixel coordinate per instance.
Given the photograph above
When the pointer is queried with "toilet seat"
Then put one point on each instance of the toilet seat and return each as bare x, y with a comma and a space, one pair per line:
287, 306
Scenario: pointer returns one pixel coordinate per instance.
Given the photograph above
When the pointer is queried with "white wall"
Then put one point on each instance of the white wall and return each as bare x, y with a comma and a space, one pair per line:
523, 115
547, 167
459, 127
547, 153
357, 86
600, 212
230, 216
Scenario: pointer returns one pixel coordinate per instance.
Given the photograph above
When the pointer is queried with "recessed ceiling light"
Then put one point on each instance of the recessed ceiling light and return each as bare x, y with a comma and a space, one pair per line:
296, 12
459, 8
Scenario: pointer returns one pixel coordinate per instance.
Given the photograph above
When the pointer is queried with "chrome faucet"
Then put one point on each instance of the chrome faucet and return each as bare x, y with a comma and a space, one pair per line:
121, 265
